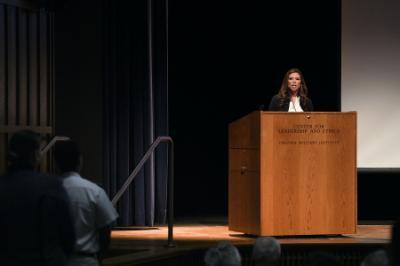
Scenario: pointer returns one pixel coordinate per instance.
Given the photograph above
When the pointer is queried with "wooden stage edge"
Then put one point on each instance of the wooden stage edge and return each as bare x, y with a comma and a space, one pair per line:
134, 245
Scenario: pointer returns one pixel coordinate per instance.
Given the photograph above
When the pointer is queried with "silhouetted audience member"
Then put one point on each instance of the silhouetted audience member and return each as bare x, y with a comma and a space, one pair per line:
223, 254
92, 210
266, 251
36, 224
320, 258
376, 258
394, 252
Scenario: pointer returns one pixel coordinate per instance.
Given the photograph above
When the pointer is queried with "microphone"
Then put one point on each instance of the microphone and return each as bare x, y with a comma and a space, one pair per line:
261, 107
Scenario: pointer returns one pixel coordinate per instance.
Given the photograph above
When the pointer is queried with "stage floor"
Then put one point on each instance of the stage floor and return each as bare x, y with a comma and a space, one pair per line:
130, 246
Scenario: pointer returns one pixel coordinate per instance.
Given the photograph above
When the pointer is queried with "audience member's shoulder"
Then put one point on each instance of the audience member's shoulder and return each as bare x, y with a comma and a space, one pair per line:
76, 180
92, 184
46, 184
48, 180
39, 178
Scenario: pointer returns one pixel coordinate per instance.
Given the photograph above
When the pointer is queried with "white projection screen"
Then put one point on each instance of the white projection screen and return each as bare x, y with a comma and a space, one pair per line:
370, 75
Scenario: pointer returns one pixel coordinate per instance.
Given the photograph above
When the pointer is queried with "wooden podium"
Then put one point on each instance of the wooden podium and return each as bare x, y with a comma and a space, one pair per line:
293, 173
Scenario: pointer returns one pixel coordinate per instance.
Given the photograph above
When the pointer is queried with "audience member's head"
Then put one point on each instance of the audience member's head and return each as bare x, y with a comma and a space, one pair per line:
395, 244
24, 150
67, 156
376, 258
266, 251
319, 258
224, 254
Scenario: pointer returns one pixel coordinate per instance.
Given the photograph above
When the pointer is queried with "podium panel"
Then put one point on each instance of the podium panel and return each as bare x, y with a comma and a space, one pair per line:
293, 173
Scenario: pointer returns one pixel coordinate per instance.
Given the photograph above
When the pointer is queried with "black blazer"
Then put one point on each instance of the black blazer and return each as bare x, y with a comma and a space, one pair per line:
278, 104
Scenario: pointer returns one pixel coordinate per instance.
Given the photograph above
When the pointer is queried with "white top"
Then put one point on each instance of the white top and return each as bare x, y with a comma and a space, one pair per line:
296, 106
91, 210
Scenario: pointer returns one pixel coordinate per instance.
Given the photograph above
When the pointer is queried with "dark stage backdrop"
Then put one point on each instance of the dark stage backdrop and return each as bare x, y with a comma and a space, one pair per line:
226, 59
136, 101
111, 90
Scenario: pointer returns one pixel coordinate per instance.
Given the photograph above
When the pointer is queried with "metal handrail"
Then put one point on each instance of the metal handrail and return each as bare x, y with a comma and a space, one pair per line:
51, 143
170, 193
